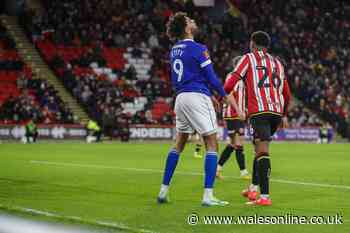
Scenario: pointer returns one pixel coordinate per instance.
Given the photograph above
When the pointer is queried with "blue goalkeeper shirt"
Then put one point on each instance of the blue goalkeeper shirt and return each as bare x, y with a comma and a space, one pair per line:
192, 69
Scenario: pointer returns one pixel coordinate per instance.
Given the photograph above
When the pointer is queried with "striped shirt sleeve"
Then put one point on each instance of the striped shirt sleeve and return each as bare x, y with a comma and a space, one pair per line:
242, 66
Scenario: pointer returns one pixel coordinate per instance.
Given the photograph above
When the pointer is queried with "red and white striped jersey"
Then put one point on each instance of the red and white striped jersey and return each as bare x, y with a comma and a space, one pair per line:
266, 86
238, 92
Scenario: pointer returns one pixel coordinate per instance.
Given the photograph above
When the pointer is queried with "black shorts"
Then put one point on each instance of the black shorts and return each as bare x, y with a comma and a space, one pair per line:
265, 125
235, 126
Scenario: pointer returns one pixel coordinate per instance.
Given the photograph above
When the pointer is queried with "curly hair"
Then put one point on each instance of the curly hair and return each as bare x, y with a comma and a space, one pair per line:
176, 26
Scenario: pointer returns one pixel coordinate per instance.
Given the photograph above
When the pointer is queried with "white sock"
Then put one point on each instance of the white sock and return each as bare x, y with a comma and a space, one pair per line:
264, 196
253, 188
163, 191
208, 194
219, 168
244, 172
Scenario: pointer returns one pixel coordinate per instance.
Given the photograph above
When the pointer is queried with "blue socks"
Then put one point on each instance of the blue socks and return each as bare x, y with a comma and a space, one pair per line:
170, 166
210, 169
210, 165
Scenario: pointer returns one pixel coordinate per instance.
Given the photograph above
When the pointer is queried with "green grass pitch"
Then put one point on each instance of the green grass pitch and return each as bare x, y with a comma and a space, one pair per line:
118, 184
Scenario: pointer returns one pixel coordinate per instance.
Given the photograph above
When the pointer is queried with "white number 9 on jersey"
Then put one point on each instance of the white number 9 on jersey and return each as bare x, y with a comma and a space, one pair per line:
178, 68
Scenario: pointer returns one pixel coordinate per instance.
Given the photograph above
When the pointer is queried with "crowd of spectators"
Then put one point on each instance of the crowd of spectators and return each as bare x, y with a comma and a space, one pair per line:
310, 37
38, 101
9, 61
6, 40
99, 95
24, 97
314, 38
299, 116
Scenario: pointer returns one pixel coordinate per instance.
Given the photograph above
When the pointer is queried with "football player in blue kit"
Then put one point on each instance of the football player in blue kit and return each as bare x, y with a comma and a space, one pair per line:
194, 81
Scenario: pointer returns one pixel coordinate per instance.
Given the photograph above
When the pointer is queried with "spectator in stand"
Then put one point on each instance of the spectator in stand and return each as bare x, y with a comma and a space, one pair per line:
123, 128
22, 81
108, 122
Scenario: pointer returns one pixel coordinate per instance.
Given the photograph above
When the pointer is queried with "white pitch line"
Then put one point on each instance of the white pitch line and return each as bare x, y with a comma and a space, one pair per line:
118, 226
311, 184
112, 167
282, 181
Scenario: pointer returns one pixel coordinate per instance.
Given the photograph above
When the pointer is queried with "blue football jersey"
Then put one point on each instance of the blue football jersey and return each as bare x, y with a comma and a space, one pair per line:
192, 69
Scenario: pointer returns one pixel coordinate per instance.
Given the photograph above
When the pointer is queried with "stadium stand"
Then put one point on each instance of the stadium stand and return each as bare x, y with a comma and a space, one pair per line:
113, 55
23, 97
315, 52
104, 78
10, 65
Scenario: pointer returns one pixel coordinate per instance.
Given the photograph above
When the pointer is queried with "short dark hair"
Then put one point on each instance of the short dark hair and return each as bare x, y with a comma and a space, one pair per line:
235, 61
261, 39
176, 26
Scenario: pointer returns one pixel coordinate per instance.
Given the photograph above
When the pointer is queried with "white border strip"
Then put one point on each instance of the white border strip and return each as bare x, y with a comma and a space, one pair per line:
117, 226
183, 173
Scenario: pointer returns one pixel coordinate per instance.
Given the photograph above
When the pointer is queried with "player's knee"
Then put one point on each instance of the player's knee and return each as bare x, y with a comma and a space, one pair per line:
179, 148
232, 140
261, 146
238, 141
211, 146
211, 143
180, 143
